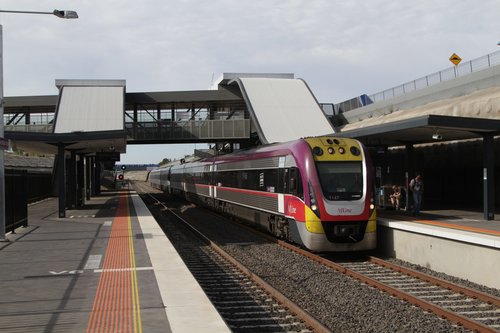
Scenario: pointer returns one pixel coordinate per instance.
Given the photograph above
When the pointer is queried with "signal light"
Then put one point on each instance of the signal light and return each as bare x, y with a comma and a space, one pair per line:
120, 177
123, 167
355, 151
317, 151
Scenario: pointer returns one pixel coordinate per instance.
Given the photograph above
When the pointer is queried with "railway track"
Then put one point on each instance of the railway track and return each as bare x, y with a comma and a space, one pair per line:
474, 311
245, 302
466, 307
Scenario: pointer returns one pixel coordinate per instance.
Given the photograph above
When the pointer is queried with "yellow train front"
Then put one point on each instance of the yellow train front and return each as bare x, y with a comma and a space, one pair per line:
337, 211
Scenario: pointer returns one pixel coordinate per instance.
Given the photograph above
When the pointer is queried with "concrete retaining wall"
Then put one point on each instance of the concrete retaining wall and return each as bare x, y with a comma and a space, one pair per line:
473, 262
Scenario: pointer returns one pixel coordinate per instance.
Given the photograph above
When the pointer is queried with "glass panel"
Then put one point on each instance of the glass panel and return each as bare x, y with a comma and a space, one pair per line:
341, 180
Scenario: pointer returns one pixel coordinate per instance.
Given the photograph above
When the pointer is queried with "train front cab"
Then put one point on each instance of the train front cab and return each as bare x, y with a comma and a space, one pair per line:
341, 214
313, 235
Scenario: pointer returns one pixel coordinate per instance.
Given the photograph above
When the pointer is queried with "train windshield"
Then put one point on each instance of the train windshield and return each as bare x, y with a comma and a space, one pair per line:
341, 180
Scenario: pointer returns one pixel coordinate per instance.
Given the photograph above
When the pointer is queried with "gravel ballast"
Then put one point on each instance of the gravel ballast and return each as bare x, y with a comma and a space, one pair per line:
339, 302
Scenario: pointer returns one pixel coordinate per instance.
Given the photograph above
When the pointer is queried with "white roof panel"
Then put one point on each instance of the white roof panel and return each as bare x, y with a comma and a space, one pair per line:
90, 109
285, 109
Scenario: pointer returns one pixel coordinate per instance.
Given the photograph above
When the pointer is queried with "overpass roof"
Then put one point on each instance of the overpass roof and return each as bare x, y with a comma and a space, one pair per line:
90, 106
47, 103
283, 109
31, 104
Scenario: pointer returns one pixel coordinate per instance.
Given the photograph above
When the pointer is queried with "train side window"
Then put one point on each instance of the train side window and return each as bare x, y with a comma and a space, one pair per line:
293, 185
283, 180
295, 182
253, 180
270, 180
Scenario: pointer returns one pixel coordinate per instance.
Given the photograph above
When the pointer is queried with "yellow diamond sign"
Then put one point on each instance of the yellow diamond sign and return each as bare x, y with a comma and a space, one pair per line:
455, 59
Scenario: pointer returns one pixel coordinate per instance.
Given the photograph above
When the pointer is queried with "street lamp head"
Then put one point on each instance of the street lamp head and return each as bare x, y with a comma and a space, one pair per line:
67, 14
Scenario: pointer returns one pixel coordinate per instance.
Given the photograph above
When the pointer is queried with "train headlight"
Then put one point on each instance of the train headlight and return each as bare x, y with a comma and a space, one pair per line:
372, 200
314, 201
331, 150
341, 150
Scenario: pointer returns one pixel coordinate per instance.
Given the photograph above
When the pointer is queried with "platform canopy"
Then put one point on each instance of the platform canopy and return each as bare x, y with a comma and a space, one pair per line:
469, 116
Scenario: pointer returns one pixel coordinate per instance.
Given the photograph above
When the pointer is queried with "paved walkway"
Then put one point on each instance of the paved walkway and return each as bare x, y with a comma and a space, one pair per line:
93, 272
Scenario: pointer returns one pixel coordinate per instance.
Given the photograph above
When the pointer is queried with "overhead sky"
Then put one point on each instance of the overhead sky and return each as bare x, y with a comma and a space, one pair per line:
340, 48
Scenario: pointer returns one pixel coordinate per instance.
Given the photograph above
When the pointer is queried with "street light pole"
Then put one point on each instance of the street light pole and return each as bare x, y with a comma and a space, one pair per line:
2, 169
68, 14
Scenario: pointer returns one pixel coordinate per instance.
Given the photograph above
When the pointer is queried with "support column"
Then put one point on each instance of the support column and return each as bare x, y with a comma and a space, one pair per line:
488, 177
61, 177
3, 218
88, 177
134, 125
92, 176
72, 181
97, 175
173, 122
159, 121
409, 170
80, 170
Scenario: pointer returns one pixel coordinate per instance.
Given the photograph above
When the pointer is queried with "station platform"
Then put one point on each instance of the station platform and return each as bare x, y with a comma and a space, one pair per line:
456, 242
106, 268
455, 224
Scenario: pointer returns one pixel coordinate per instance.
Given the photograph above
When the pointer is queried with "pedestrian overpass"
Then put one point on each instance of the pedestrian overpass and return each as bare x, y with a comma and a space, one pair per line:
93, 116
91, 122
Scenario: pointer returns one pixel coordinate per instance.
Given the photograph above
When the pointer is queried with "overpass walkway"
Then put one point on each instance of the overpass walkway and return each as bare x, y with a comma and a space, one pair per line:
96, 115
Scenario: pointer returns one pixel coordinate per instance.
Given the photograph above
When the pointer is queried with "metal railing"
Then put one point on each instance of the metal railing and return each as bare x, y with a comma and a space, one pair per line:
193, 129
16, 199
30, 128
463, 69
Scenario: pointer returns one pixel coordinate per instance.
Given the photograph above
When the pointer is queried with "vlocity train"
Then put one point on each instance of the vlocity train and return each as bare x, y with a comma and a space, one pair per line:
317, 192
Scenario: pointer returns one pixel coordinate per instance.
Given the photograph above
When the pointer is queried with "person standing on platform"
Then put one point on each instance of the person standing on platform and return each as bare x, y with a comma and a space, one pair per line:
417, 189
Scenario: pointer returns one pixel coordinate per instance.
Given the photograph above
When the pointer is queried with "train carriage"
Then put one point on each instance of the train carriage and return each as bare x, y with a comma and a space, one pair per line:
317, 192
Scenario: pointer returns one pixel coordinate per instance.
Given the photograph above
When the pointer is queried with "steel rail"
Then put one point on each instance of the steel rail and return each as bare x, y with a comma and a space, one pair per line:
427, 306
437, 281
294, 308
